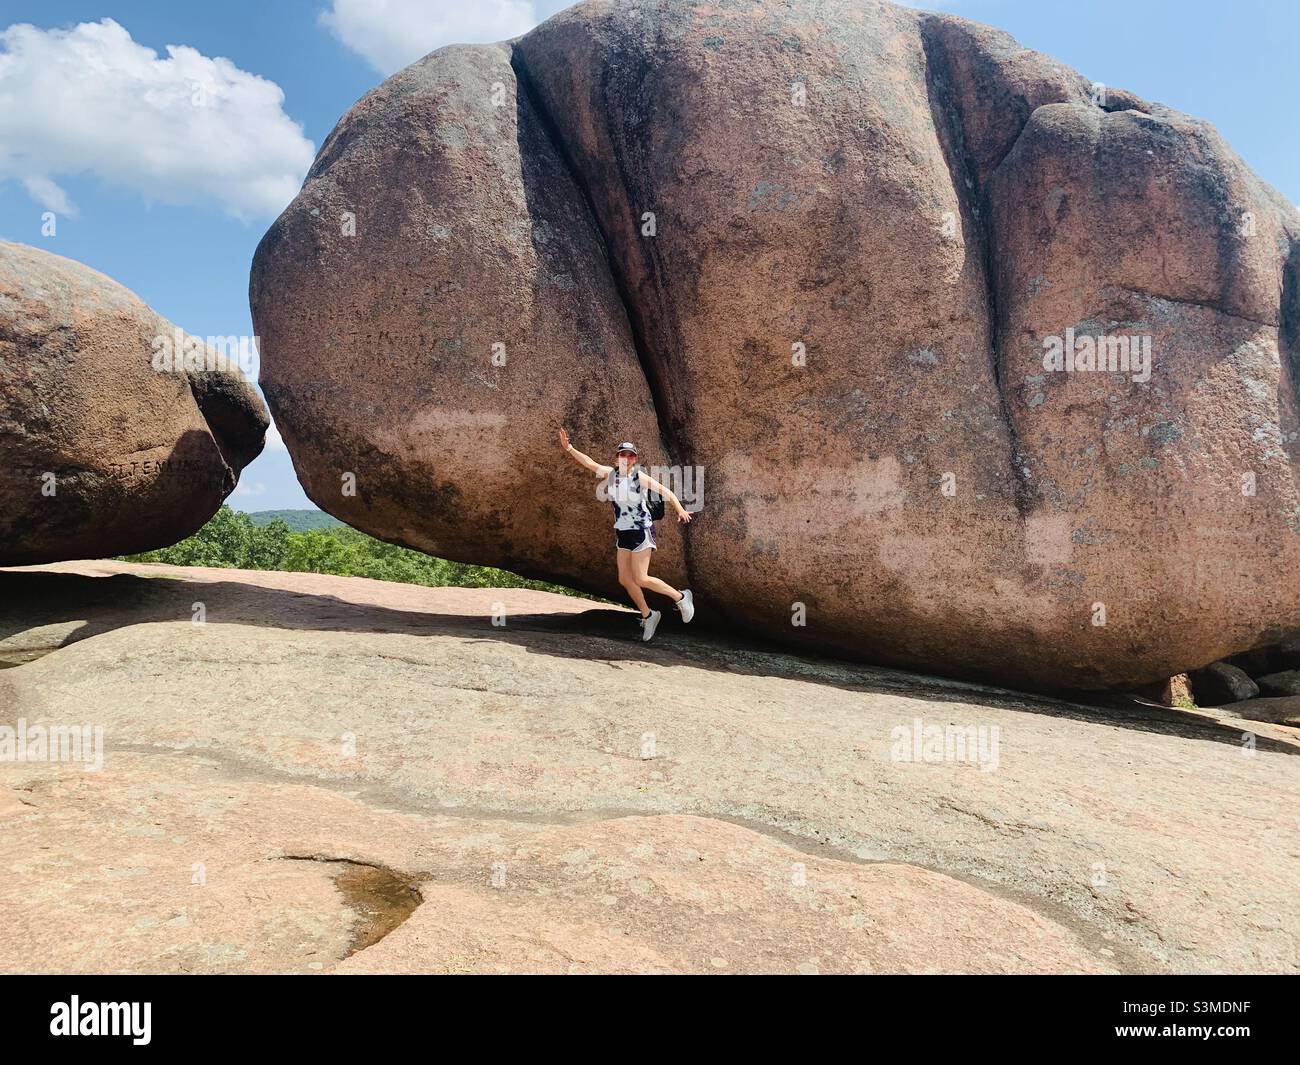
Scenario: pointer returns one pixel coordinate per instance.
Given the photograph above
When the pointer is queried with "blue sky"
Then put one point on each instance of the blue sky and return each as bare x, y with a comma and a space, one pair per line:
1232, 63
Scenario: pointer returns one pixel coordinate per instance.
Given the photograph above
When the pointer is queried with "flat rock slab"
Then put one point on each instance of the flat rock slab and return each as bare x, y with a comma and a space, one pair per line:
336, 774
1283, 710
174, 864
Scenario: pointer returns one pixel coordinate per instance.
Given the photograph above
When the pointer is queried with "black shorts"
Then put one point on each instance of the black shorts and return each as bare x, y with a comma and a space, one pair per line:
635, 539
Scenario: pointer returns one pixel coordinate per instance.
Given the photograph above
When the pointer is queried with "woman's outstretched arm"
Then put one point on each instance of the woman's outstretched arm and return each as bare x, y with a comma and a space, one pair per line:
683, 515
585, 461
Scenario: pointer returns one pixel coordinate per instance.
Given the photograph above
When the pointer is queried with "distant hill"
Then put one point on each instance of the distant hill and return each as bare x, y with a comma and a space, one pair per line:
297, 520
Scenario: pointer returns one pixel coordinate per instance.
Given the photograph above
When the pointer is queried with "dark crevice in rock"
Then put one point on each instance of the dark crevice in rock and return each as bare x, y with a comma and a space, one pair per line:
234, 416
667, 438
1205, 305
547, 124
382, 898
1288, 334
1115, 100
950, 124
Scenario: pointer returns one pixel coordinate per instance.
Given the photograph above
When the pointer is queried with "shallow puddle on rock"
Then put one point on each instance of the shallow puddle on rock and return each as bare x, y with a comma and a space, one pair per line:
381, 898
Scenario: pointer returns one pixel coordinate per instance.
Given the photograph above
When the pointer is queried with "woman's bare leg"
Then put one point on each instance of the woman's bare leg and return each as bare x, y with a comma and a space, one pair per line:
627, 577
641, 568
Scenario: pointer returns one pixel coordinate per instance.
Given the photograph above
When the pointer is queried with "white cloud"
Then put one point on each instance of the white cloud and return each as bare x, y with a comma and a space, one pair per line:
182, 130
391, 34
49, 195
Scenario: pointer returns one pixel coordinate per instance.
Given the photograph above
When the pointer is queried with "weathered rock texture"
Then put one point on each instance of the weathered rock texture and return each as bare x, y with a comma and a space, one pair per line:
1283, 710
103, 454
566, 798
649, 205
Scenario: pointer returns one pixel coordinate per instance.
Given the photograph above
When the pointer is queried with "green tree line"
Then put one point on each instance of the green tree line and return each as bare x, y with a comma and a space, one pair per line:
231, 540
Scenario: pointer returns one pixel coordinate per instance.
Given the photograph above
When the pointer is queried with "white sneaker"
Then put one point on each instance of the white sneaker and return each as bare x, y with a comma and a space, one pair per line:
686, 605
648, 625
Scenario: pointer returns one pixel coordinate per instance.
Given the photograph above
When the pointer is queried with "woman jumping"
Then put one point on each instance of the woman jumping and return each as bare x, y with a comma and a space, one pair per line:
634, 531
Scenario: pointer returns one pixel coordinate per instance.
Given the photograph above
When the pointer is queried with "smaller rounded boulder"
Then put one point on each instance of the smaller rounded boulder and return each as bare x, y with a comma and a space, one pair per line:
119, 432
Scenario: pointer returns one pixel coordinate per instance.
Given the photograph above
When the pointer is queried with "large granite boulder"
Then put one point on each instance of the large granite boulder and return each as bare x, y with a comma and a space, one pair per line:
116, 438
830, 254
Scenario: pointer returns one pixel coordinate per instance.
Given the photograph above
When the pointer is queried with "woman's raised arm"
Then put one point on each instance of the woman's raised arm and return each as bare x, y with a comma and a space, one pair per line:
586, 461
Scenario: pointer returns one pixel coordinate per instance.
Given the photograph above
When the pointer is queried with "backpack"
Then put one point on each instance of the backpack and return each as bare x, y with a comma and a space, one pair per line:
654, 501
656, 504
